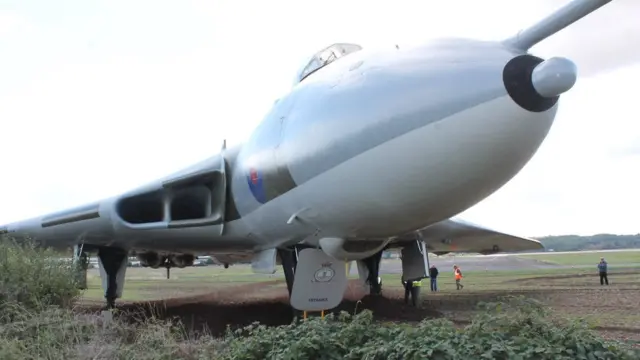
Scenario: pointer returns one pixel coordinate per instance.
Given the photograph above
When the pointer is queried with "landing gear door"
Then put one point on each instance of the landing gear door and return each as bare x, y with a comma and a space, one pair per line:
414, 261
320, 281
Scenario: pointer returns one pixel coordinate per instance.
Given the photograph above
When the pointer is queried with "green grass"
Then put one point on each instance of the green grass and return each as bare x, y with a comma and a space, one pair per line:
490, 281
615, 259
574, 292
151, 284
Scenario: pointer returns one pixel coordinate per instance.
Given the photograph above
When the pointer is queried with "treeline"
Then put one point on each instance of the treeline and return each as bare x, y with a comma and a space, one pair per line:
595, 242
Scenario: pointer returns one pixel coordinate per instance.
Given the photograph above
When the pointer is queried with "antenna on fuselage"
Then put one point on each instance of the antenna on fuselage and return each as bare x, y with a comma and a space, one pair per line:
561, 18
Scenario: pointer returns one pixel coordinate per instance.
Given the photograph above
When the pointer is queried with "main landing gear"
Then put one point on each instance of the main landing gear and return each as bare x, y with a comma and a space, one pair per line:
112, 263
369, 271
289, 260
317, 282
113, 266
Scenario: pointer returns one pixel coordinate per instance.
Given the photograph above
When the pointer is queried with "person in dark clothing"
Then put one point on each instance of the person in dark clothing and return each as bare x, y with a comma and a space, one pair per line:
412, 289
433, 274
408, 286
602, 268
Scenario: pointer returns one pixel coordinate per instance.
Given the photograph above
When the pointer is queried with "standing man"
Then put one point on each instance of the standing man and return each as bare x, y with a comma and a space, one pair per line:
458, 276
602, 268
408, 286
412, 289
433, 274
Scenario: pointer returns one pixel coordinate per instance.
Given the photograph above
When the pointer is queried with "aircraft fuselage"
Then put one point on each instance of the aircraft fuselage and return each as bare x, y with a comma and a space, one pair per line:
373, 145
378, 144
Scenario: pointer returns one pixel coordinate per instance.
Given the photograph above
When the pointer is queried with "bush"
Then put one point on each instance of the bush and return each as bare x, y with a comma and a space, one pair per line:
62, 334
516, 328
36, 293
33, 278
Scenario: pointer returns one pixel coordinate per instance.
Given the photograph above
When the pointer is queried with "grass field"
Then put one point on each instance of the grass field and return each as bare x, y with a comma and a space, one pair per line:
623, 258
151, 284
614, 310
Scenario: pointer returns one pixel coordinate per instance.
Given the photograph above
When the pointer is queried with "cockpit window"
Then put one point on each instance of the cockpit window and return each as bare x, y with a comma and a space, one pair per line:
326, 56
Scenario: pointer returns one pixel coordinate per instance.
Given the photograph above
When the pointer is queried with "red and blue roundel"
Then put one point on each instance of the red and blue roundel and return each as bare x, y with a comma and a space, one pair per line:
254, 178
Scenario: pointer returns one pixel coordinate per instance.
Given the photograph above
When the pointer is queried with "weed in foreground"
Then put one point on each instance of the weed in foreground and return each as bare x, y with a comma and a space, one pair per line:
33, 278
515, 328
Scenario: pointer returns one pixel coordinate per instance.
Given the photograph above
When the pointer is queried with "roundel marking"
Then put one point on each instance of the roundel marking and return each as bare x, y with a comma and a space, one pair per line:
254, 179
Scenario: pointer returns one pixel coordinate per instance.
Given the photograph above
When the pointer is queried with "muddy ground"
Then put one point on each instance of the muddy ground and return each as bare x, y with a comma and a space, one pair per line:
267, 303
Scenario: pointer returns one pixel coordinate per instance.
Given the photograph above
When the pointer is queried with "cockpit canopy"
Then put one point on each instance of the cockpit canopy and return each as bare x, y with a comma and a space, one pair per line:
326, 56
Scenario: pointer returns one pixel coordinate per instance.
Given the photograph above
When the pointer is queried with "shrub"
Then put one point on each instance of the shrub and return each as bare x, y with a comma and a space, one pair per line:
516, 328
32, 278
56, 333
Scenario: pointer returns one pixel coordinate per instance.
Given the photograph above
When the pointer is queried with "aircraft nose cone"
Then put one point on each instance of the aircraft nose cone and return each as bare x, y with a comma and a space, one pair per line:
554, 76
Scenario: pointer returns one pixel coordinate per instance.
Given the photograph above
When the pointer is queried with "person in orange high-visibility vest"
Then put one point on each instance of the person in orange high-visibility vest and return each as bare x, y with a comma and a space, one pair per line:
458, 276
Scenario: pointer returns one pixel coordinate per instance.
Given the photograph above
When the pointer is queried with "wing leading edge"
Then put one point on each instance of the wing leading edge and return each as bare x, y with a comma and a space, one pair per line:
457, 235
147, 216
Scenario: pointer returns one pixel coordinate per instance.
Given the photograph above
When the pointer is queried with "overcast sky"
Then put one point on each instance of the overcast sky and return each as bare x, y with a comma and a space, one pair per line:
97, 97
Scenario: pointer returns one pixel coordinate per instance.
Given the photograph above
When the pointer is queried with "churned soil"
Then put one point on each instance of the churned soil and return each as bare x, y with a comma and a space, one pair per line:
266, 303
614, 311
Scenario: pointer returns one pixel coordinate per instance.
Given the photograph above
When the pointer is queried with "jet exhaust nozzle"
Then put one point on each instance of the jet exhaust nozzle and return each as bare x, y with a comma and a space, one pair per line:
554, 76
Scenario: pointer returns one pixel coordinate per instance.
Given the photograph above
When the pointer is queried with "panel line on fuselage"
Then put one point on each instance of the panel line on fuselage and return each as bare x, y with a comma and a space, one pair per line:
78, 214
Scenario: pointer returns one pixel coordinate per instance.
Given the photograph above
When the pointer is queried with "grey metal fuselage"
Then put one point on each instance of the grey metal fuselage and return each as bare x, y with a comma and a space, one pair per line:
372, 146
